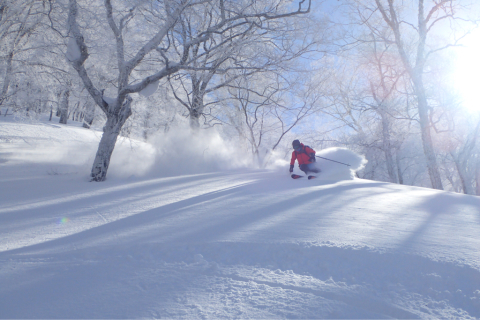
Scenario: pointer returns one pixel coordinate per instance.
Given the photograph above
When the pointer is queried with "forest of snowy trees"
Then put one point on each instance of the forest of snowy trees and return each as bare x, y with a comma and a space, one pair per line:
374, 76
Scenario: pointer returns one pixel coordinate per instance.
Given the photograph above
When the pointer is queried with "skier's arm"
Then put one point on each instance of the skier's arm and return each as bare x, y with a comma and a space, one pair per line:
311, 153
292, 161
294, 157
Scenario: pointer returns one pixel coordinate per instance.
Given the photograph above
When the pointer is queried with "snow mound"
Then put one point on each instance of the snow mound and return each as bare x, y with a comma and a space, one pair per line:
62, 149
336, 171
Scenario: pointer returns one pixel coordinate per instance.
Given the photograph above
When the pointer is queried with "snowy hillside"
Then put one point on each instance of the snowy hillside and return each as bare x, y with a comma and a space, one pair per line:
157, 240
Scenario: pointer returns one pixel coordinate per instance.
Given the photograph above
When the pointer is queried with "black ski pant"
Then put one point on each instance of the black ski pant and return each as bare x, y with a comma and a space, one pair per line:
310, 167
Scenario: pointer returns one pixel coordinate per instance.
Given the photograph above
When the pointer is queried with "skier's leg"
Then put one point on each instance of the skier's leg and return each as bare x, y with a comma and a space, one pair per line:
304, 168
311, 167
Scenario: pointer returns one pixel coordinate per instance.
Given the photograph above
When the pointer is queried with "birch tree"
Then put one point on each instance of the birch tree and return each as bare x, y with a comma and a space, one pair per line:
367, 100
157, 48
458, 138
19, 20
247, 41
265, 108
429, 16
64, 104
386, 81
118, 109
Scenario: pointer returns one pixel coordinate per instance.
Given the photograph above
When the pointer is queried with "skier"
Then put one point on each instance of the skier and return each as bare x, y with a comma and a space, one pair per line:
305, 156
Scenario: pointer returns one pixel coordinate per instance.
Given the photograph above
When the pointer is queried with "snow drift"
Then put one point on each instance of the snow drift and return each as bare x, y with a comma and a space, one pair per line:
56, 149
335, 171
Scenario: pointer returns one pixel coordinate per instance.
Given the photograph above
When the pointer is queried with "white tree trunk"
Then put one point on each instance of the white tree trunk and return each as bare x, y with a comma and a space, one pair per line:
64, 106
7, 78
196, 110
399, 170
111, 130
194, 121
387, 148
89, 115
428, 150
466, 185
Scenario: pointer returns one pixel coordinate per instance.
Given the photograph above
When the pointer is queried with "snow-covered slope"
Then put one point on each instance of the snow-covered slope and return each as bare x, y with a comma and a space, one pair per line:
226, 244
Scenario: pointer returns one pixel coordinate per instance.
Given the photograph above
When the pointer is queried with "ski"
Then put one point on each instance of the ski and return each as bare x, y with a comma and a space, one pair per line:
296, 176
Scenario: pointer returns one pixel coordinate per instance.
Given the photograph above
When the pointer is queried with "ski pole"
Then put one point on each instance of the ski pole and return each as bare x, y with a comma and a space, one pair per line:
334, 161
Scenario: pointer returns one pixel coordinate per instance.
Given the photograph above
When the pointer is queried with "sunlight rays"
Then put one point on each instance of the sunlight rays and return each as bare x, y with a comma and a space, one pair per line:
467, 72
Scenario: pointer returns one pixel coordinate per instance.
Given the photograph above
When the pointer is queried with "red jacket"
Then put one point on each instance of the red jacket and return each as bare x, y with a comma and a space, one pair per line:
303, 156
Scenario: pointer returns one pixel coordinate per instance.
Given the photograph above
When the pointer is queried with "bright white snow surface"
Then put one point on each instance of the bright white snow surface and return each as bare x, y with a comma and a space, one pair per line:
225, 244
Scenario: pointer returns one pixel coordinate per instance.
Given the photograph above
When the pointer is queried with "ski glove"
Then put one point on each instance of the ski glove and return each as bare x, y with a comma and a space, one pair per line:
312, 157
291, 168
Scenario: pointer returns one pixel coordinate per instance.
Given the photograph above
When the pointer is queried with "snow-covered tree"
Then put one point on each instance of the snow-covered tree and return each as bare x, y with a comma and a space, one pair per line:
429, 16
19, 23
154, 51
244, 45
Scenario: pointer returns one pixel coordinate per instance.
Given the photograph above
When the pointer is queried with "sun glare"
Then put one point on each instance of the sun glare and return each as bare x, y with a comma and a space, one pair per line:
467, 72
